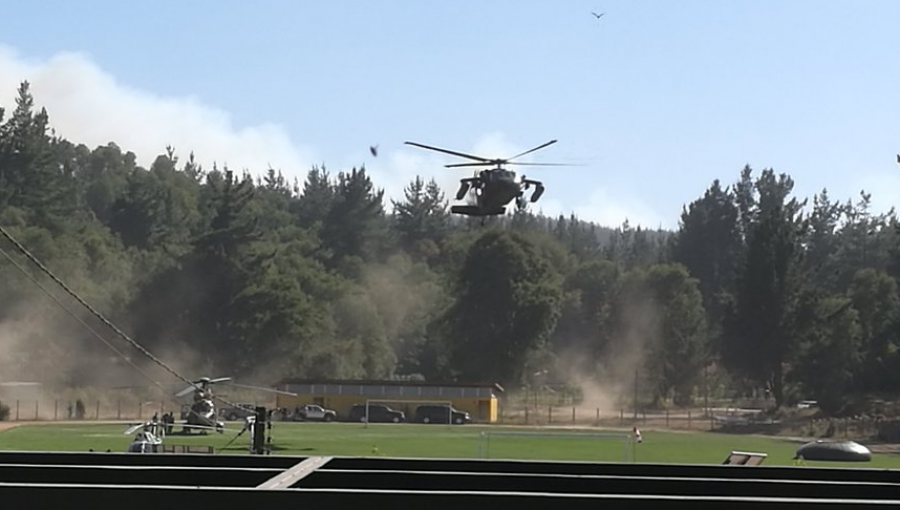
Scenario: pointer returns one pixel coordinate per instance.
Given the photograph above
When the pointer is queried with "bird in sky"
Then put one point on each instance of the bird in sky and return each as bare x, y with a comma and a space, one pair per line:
374, 150
598, 16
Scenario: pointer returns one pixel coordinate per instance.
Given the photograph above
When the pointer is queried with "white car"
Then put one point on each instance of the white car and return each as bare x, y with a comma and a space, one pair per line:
314, 412
807, 404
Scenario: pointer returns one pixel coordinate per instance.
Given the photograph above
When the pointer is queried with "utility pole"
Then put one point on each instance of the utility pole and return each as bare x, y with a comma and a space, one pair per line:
706, 388
259, 432
635, 394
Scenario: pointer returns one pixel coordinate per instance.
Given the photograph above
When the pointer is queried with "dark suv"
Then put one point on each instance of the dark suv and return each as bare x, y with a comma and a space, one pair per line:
377, 413
441, 414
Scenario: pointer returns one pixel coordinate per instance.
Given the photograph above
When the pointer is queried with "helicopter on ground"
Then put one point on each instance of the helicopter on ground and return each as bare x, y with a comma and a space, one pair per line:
202, 414
493, 188
150, 435
202, 411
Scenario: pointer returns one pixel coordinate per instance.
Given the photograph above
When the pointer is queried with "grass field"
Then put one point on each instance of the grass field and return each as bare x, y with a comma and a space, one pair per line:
439, 441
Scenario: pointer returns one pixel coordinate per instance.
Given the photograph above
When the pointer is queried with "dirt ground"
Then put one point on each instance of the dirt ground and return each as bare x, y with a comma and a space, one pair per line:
6, 425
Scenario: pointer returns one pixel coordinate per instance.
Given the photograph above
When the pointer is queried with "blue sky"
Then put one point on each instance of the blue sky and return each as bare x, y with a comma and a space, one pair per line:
655, 99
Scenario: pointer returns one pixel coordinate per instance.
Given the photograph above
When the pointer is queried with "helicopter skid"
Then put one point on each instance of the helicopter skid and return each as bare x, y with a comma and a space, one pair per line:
472, 210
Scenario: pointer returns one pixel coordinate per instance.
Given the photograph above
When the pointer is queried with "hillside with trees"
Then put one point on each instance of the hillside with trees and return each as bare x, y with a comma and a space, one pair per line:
252, 275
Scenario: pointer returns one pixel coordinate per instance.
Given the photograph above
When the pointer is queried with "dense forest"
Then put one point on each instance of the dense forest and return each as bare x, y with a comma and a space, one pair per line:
251, 275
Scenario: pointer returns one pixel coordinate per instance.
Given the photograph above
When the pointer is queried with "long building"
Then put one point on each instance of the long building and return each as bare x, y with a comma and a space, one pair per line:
479, 400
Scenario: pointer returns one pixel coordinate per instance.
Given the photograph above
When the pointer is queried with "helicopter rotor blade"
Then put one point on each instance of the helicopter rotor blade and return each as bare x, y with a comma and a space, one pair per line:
220, 379
134, 428
459, 165
539, 147
544, 164
261, 388
446, 151
198, 427
187, 391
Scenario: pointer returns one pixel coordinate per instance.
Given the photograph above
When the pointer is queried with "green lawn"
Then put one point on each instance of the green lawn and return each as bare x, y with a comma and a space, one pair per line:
413, 440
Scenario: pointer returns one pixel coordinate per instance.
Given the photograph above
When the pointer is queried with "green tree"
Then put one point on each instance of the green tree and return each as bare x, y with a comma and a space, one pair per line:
584, 329
708, 243
828, 351
421, 218
821, 243
507, 305
355, 227
873, 295
760, 332
30, 176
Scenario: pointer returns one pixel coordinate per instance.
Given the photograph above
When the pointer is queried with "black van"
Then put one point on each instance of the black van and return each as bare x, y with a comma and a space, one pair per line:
441, 414
377, 413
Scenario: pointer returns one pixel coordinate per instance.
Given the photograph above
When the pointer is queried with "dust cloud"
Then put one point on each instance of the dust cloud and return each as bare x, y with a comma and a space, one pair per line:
606, 376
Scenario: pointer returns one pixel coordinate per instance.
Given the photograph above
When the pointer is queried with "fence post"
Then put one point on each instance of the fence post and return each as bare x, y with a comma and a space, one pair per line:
17, 410
598, 416
97, 412
549, 414
37, 411
55, 409
667, 418
526, 415
573, 415
621, 416
689, 420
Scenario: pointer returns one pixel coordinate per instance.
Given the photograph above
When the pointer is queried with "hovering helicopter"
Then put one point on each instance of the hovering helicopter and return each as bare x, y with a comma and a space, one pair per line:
493, 188
202, 414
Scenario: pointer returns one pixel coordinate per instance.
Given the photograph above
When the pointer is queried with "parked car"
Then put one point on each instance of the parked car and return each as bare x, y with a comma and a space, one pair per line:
241, 411
441, 414
807, 404
377, 413
314, 412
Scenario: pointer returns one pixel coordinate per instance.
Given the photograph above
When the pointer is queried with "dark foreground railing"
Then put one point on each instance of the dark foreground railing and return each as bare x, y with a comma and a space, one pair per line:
113, 480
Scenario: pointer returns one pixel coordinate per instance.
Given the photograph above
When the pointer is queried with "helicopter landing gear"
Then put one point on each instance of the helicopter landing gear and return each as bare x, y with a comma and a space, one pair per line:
538, 191
520, 202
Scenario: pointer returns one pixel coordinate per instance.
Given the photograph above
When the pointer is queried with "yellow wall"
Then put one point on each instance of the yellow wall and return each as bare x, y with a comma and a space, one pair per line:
483, 409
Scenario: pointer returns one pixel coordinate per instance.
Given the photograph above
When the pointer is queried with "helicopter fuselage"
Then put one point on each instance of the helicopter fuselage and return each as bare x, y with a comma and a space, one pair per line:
202, 413
492, 190
498, 188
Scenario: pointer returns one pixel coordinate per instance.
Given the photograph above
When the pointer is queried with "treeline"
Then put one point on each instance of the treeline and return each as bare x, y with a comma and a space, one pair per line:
219, 272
